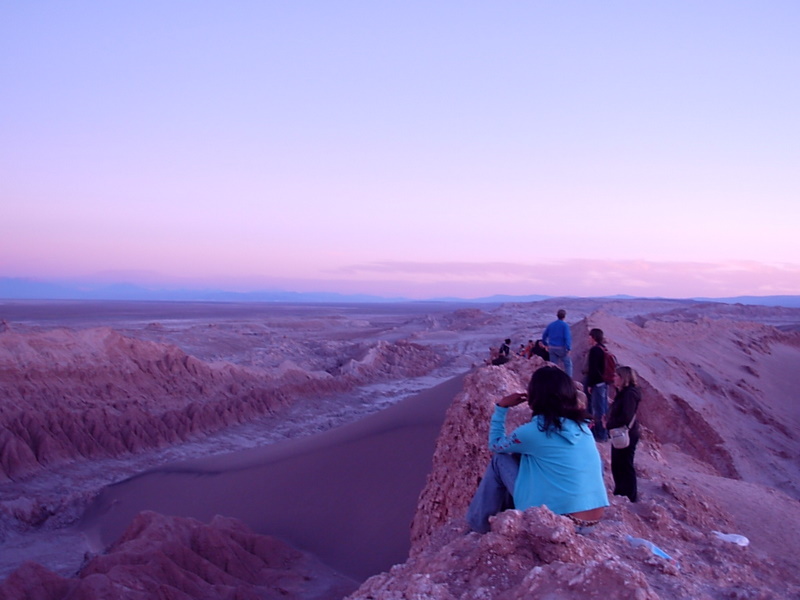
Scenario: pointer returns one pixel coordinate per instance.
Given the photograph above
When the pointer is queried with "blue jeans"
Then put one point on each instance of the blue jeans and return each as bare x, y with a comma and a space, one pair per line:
559, 355
495, 492
598, 406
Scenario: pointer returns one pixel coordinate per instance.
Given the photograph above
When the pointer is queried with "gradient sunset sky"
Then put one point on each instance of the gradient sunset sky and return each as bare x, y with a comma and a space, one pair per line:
407, 148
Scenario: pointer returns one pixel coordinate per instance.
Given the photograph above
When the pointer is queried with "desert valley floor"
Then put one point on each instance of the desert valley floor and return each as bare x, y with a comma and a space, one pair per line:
205, 450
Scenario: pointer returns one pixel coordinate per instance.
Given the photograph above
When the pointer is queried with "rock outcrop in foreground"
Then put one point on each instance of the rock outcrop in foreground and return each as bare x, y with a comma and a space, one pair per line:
531, 554
182, 559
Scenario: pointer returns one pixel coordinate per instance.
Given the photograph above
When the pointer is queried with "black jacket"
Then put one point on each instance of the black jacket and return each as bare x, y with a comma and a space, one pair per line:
596, 366
625, 405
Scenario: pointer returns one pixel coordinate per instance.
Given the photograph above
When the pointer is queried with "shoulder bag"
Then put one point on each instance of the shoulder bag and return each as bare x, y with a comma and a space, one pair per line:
620, 436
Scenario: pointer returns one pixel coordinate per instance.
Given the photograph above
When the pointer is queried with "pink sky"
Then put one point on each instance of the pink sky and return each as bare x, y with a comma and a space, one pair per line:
419, 151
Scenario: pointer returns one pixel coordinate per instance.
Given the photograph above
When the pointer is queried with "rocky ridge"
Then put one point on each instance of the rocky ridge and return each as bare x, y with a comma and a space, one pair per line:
694, 476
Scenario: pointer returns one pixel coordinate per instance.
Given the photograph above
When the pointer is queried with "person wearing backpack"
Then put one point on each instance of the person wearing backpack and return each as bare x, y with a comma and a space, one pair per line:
596, 384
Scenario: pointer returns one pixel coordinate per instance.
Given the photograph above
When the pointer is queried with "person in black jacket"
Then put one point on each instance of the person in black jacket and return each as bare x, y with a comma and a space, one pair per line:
596, 387
622, 411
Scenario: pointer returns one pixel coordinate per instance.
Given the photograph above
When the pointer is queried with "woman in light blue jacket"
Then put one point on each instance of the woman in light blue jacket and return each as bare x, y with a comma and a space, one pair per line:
552, 461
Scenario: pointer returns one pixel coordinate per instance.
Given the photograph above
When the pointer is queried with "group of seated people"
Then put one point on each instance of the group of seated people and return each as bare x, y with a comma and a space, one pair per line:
500, 356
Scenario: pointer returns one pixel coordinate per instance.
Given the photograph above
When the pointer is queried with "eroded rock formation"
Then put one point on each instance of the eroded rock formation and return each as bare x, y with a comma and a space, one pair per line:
178, 558
95, 393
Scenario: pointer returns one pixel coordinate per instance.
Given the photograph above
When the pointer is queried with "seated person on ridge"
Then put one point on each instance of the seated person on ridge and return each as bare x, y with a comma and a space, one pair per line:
528, 349
538, 349
552, 461
504, 355
505, 348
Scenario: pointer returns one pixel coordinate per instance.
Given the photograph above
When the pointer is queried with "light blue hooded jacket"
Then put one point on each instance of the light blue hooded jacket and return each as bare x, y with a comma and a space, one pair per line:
561, 470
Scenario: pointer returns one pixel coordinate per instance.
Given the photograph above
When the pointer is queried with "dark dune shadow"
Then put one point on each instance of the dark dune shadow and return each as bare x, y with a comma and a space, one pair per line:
347, 495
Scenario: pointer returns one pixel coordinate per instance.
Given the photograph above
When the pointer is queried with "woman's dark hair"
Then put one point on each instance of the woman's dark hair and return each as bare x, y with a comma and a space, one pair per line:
552, 394
597, 335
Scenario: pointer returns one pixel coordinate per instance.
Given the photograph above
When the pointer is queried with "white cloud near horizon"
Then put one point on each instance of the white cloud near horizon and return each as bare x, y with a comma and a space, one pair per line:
581, 277
423, 280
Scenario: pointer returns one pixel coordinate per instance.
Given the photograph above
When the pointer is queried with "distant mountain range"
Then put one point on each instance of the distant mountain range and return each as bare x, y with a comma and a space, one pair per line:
28, 289
12, 288
786, 301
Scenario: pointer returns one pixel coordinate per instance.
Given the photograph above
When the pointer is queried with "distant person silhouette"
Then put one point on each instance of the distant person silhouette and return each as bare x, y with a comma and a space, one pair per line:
558, 340
528, 349
539, 350
504, 354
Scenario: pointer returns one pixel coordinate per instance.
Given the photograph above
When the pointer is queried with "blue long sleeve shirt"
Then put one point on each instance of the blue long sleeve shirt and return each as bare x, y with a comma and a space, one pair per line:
558, 334
558, 469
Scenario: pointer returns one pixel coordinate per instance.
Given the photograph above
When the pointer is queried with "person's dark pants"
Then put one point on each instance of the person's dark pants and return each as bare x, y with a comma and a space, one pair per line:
495, 491
623, 472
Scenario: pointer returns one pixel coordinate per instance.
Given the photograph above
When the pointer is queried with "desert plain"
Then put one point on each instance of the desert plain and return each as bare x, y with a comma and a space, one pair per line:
224, 450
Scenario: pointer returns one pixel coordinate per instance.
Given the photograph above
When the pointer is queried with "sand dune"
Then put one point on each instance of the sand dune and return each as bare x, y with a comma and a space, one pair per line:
346, 495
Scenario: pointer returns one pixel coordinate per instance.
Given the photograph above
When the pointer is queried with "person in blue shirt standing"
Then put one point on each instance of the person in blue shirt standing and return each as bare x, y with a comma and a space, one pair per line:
558, 339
